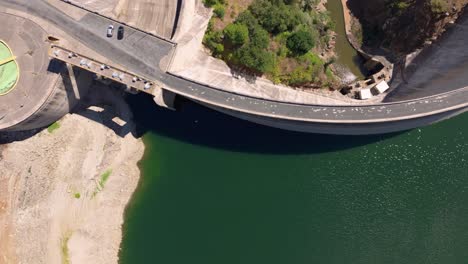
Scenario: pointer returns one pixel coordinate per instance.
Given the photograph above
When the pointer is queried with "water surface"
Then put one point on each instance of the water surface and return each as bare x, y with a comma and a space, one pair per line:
215, 189
347, 55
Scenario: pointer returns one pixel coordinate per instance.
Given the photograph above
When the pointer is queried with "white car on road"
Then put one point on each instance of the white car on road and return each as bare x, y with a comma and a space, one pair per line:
110, 31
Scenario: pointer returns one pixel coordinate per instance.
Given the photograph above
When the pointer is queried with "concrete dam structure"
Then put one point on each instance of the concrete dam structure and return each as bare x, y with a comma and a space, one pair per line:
48, 89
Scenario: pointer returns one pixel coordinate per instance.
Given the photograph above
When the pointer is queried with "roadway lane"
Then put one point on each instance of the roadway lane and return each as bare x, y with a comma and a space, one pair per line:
91, 32
146, 48
135, 58
324, 114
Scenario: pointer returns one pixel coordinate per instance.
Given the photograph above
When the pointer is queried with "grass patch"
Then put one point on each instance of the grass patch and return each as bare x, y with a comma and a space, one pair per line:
104, 177
53, 127
64, 248
102, 182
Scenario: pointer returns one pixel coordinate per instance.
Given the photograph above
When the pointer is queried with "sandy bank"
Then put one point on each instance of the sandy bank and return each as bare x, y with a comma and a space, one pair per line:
55, 204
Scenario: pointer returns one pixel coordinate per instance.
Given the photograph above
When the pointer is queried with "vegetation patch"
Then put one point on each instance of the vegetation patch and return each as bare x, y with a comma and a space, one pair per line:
104, 177
102, 182
439, 6
53, 127
64, 248
280, 39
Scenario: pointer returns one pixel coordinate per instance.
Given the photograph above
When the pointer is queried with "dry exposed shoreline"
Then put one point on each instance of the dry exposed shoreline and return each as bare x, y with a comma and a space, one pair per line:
55, 206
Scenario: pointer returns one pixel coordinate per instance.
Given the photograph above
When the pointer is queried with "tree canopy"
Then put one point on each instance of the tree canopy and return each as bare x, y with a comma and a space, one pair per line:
300, 42
272, 37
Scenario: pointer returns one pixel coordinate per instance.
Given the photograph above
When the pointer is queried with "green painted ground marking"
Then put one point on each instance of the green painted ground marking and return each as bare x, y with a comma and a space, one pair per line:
9, 70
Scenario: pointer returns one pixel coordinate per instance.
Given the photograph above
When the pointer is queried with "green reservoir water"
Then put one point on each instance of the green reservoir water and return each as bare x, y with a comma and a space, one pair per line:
217, 190
347, 55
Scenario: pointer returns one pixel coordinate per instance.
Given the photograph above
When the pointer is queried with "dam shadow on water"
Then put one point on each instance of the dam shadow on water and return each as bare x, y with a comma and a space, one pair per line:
215, 189
196, 124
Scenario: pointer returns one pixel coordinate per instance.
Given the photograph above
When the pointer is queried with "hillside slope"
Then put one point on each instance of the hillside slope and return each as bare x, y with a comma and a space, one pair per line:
402, 26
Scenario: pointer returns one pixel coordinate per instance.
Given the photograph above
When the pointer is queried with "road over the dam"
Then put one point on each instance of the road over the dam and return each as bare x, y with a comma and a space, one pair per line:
149, 56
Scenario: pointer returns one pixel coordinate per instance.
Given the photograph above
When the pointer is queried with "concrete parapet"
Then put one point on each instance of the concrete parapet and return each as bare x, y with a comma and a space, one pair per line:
88, 64
341, 128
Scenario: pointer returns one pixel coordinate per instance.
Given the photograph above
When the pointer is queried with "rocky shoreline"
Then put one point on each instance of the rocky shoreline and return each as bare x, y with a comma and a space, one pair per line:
63, 192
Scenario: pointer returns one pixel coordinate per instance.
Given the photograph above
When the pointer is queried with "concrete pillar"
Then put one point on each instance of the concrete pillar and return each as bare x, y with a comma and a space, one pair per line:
164, 98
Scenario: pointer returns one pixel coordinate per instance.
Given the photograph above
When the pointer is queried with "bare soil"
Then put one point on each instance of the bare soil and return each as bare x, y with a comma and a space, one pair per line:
54, 206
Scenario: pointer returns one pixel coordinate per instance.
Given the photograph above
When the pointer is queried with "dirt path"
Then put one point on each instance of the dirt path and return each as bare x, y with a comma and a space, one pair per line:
347, 16
63, 193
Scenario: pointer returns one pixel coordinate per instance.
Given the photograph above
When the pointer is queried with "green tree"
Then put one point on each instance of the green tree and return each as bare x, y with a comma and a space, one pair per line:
275, 16
300, 42
247, 18
259, 37
236, 34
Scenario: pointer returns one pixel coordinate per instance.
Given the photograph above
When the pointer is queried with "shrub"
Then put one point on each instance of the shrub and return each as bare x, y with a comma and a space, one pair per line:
219, 10
439, 6
210, 3
213, 41
402, 5
309, 71
256, 59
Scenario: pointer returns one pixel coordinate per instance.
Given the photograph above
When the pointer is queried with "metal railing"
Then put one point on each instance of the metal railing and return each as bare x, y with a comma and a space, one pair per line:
110, 72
